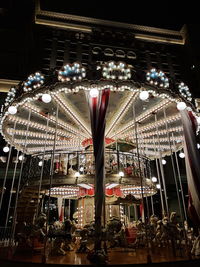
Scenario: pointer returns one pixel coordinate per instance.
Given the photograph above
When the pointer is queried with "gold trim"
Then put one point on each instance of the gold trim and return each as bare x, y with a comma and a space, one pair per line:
71, 19
5, 85
159, 39
63, 25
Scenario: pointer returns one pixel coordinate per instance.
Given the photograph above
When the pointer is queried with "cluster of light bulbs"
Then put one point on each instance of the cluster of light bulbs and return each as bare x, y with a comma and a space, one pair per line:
33, 81
119, 71
10, 96
71, 72
137, 191
52, 119
73, 114
157, 78
184, 91
65, 191
143, 116
80, 216
121, 210
126, 105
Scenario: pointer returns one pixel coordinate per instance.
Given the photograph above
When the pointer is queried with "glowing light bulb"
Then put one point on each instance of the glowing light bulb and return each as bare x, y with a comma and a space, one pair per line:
40, 163
154, 179
121, 174
46, 98
181, 106
164, 161
12, 110
144, 95
21, 157
6, 149
181, 155
158, 186
81, 169
77, 174
94, 92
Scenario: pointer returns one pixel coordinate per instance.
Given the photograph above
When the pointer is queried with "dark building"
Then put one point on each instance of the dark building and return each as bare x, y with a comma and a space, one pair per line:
44, 36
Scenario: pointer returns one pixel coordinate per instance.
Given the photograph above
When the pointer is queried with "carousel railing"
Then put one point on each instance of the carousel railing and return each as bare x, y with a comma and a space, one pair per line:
67, 163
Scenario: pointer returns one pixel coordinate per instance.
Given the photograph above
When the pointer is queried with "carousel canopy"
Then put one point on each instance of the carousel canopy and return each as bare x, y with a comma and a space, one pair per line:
143, 112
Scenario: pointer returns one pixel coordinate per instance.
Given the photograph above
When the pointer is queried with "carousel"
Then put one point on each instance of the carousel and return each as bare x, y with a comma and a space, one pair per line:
94, 141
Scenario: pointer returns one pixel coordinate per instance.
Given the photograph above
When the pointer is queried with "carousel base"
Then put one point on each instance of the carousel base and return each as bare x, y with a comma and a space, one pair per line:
116, 256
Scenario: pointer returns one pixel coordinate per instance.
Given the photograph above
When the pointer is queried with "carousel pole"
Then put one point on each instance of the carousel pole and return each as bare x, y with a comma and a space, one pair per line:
42, 169
141, 184
152, 206
180, 182
159, 179
6, 172
19, 181
44, 258
173, 165
161, 167
11, 189
144, 173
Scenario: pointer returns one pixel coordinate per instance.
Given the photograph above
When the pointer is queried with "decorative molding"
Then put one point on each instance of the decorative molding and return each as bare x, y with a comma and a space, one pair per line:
6, 84
86, 24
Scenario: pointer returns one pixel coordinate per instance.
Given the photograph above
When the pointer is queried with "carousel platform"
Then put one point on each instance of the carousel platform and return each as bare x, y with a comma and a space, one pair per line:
117, 257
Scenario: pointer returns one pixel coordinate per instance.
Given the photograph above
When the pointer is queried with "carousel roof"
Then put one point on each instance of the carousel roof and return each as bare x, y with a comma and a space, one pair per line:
41, 103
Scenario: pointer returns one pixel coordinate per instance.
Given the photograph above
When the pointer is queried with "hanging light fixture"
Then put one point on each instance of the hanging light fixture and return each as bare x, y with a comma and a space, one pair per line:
154, 179
77, 174
144, 95
12, 110
40, 163
181, 106
21, 157
158, 186
164, 161
181, 155
94, 92
121, 174
6, 149
46, 98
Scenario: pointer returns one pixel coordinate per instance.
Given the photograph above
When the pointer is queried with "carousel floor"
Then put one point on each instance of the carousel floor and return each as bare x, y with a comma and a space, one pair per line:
116, 256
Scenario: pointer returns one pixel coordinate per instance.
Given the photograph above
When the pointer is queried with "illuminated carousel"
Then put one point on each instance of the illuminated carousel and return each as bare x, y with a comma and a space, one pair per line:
99, 138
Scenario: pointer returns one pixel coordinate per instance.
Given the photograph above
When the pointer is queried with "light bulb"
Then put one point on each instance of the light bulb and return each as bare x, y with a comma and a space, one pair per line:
77, 174
198, 146
181, 155
121, 174
158, 186
6, 149
94, 92
40, 163
144, 95
164, 161
21, 157
12, 110
46, 98
181, 106
81, 169
154, 179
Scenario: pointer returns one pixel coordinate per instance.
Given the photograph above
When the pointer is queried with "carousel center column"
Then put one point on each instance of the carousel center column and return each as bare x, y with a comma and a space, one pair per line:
98, 103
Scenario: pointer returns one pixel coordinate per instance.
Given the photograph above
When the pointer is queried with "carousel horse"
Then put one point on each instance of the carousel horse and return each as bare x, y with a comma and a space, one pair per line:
140, 238
151, 229
31, 236
114, 234
61, 237
87, 235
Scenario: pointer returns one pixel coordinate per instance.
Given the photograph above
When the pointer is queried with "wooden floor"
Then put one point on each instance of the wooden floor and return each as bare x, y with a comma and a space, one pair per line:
117, 256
